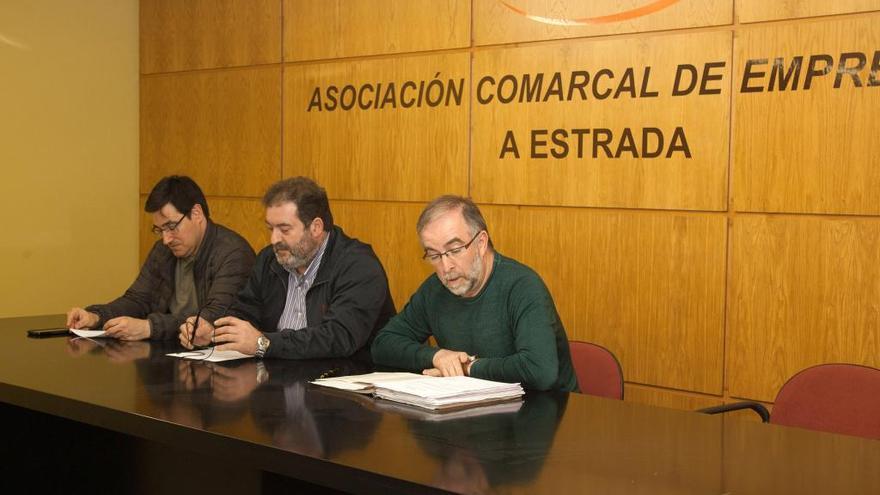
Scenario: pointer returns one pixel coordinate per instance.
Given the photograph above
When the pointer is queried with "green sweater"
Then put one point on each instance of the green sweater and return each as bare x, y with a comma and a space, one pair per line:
512, 327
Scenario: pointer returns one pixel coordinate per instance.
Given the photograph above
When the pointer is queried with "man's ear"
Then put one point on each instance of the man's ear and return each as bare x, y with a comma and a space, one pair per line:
316, 227
196, 211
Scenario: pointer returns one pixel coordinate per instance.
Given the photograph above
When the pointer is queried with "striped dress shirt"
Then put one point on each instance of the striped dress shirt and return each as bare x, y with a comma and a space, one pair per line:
294, 315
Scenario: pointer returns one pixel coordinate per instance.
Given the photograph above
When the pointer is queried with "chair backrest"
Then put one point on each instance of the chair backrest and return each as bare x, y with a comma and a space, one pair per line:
598, 371
837, 398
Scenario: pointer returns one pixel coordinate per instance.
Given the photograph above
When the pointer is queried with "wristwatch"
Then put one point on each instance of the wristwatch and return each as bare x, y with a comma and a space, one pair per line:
262, 346
262, 373
470, 362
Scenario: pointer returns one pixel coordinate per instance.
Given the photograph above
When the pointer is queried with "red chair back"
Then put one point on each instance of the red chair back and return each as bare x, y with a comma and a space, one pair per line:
837, 398
598, 371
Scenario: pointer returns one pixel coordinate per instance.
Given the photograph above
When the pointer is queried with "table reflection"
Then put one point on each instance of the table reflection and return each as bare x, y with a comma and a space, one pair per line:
484, 449
303, 418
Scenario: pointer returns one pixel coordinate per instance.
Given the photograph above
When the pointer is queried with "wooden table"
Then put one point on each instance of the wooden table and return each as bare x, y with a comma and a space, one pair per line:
116, 417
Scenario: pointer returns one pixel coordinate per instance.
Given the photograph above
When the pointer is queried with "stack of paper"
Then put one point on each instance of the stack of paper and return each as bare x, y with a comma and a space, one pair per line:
471, 411
364, 384
435, 393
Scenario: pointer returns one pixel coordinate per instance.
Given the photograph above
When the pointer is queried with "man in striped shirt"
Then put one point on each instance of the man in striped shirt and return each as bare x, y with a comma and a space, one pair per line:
313, 293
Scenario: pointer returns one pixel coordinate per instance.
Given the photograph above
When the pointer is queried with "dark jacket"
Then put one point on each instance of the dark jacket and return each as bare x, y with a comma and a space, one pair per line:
348, 302
222, 265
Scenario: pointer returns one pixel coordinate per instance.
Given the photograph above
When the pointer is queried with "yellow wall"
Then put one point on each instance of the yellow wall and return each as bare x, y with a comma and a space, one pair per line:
712, 277
68, 153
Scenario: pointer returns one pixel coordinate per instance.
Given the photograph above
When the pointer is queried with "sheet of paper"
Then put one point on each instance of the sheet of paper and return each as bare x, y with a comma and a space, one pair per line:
88, 333
448, 392
363, 383
208, 355
99, 342
427, 392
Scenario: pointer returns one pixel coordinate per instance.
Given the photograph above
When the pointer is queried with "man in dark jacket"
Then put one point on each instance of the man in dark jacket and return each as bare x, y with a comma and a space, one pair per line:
314, 292
195, 265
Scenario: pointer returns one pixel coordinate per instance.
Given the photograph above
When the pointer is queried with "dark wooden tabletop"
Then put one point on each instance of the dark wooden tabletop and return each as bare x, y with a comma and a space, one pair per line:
268, 416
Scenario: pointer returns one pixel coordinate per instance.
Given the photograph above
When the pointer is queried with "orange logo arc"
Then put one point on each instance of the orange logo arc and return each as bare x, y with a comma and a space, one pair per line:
644, 10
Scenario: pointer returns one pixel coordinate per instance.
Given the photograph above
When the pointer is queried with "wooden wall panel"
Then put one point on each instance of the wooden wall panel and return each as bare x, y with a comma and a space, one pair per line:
391, 153
324, 29
678, 182
245, 216
391, 229
762, 10
804, 291
223, 128
201, 34
648, 286
810, 150
510, 21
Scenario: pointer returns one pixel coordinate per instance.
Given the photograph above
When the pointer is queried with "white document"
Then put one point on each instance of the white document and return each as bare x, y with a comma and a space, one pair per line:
88, 333
364, 383
448, 392
210, 355
436, 393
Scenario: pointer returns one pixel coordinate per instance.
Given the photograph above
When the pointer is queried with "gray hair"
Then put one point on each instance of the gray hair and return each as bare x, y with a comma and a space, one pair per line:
469, 210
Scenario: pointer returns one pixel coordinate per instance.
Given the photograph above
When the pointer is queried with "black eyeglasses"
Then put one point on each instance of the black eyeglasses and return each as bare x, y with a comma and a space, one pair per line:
168, 227
451, 253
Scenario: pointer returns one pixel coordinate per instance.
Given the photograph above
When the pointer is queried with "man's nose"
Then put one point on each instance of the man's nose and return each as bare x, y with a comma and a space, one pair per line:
446, 263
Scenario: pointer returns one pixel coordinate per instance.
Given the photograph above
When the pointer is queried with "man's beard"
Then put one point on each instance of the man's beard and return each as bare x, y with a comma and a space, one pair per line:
298, 255
466, 282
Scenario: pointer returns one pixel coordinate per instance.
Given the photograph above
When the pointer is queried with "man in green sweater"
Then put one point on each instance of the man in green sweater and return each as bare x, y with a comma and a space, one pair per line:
492, 317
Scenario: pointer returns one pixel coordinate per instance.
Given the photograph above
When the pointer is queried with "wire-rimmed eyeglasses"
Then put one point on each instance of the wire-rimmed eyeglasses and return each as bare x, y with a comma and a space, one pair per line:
453, 253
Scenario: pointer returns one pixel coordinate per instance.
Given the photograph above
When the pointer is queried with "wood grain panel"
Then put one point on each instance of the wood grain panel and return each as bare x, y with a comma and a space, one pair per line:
510, 21
649, 286
390, 153
245, 216
807, 150
662, 397
804, 291
585, 175
222, 128
391, 229
325, 29
761, 10
201, 34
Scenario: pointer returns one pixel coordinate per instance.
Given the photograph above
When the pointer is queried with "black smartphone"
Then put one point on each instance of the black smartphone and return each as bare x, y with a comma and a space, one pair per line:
47, 332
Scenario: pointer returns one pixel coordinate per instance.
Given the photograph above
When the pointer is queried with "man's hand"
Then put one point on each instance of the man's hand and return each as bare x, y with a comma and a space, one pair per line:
203, 333
236, 335
124, 352
127, 328
79, 346
80, 318
235, 384
448, 363
193, 374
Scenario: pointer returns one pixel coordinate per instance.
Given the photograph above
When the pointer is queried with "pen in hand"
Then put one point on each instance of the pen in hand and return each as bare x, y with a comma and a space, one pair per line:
192, 339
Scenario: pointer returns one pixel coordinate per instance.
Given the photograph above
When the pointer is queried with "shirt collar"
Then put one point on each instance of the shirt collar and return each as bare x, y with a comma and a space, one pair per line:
308, 276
